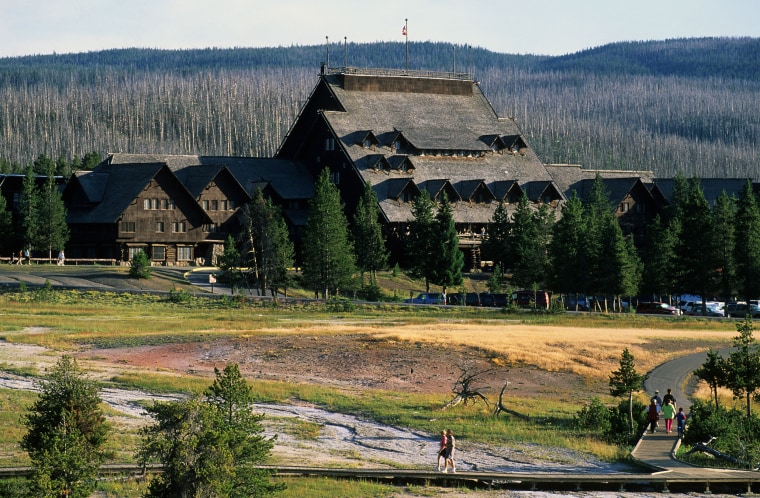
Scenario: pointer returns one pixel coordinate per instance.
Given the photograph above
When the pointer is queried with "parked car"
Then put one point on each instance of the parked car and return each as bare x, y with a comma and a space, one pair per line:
468, 299
531, 299
571, 300
426, 298
740, 310
657, 308
493, 300
712, 308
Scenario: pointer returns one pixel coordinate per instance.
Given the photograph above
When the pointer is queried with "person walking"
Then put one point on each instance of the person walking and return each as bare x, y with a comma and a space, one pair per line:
442, 450
653, 414
669, 397
668, 413
680, 422
450, 446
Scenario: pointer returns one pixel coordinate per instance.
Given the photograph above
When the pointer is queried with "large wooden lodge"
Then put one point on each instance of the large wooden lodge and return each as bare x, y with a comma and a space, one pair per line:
403, 132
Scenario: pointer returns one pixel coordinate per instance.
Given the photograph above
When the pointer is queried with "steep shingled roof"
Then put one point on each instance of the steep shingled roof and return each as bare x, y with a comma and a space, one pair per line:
451, 134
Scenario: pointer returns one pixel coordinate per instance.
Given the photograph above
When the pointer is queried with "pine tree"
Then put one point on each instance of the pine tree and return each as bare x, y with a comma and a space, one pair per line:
53, 231
229, 264
567, 259
747, 244
743, 365
210, 445
66, 432
6, 225
658, 278
421, 240
268, 250
29, 210
371, 253
328, 258
528, 247
724, 232
695, 251
450, 259
497, 247
713, 372
625, 381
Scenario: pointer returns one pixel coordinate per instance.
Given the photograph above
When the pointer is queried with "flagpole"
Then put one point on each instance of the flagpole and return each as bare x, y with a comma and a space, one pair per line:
406, 36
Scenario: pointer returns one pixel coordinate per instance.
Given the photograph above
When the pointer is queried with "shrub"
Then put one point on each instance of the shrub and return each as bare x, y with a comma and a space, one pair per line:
594, 417
139, 267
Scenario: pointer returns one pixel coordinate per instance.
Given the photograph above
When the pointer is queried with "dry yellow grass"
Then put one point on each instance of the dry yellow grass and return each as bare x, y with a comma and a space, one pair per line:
591, 353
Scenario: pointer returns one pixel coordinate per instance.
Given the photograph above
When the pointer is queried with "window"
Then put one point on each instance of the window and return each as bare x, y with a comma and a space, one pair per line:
146, 204
624, 207
210, 227
171, 203
214, 205
159, 253
164, 203
641, 207
133, 252
329, 144
205, 204
127, 226
160, 227
224, 205
179, 227
184, 253
16, 200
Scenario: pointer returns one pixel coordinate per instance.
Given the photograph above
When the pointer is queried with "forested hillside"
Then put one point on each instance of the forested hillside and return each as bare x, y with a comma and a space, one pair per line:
678, 105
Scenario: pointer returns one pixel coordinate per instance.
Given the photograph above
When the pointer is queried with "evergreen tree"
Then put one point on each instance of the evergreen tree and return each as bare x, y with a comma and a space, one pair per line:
267, 246
29, 210
450, 259
714, 372
625, 381
567, 258
497, 247
53, 231
597, 212
658, 278
66, 432
620, 270
229, 264
528, 247
211, 445
695, 251
724, 230
328, 257
371, 253
421, 241
6, 225
747, 244
743, 365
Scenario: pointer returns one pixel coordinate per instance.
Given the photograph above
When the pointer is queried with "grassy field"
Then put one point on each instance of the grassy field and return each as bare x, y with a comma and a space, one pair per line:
585, 346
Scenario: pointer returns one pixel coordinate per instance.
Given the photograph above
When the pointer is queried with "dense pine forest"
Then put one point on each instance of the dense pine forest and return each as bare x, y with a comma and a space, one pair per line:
687, 105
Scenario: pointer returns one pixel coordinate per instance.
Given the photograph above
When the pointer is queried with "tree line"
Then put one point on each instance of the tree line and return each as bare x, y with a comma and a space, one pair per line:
677, 105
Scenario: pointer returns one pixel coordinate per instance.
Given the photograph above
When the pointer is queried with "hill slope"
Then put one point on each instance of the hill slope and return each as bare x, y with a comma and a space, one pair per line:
686, 105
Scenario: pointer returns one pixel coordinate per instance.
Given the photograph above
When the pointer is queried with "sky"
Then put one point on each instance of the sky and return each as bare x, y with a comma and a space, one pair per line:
541, 27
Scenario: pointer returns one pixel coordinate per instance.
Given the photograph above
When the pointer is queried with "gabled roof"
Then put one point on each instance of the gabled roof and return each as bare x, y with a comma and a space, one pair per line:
449, 125
468, 189
537, 191
289, 179
506, 190
401, 163
437, 186
93, 184
573, 178
122, 187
